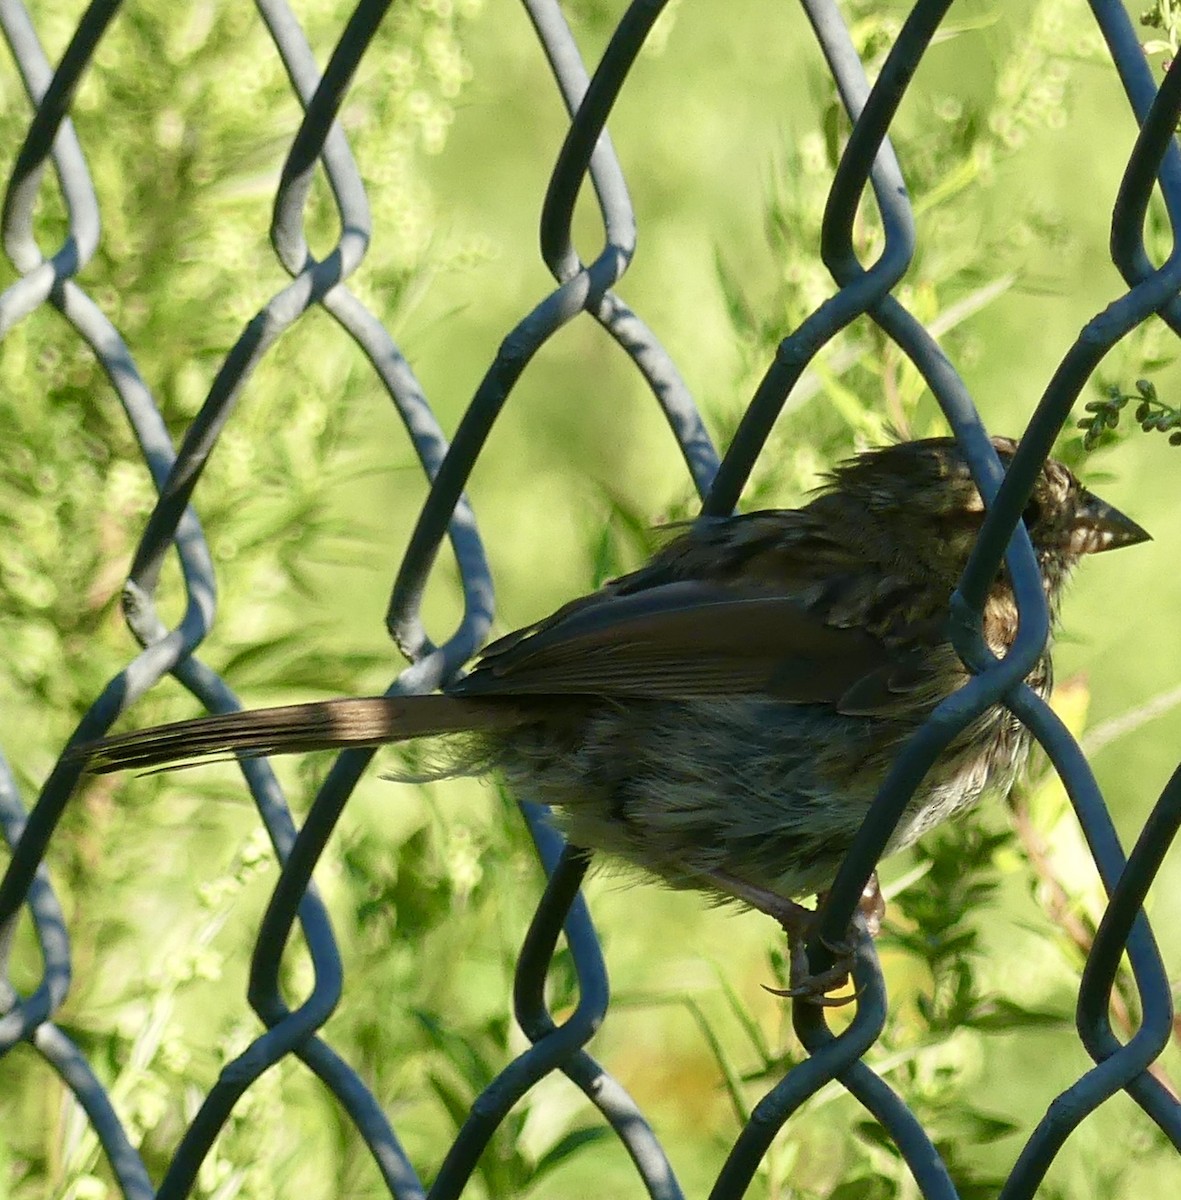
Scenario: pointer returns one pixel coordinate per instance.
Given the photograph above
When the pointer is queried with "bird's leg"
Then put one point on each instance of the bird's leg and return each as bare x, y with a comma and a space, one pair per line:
798, 921
873, 905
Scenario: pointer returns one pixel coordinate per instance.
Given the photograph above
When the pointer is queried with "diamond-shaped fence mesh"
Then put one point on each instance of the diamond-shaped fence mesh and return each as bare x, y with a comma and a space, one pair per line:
583, 290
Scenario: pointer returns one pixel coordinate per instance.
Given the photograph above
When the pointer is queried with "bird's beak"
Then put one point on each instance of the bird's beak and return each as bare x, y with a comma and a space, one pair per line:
1098, 526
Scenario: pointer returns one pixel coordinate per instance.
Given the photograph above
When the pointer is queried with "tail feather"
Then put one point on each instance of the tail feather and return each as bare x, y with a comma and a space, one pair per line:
322, 725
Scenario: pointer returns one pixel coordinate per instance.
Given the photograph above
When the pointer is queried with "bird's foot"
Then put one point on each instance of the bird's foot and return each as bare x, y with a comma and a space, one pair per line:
798, 922
816, 987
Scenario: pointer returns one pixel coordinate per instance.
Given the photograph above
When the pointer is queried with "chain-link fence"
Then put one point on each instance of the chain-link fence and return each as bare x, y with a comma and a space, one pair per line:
48, 276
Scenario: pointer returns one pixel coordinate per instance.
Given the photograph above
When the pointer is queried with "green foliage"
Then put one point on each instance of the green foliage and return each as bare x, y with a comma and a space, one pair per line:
308, 501
1151, 413
1164, 15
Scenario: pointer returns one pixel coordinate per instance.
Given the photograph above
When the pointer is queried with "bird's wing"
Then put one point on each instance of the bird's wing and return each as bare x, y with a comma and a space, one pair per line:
679, 640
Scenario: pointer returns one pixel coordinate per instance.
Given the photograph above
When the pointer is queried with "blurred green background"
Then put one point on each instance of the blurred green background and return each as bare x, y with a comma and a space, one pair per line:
1012, 141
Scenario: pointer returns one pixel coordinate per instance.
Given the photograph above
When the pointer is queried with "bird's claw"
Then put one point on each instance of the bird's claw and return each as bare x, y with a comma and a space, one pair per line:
797, 922
815, 988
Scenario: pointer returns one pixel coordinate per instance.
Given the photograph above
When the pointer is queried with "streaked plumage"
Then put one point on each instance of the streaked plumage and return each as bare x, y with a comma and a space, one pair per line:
723, 716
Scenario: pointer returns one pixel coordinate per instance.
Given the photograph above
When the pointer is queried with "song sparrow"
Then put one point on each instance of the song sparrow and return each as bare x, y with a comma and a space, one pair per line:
723, 717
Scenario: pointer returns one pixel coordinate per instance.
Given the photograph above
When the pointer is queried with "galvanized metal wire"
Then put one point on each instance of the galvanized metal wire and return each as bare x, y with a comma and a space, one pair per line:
48, 277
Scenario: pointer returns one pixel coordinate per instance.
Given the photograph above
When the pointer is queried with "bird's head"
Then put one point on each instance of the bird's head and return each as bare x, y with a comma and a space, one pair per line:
918, 499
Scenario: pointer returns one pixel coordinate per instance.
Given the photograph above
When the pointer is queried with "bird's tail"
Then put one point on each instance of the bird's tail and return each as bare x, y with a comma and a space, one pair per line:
322, 725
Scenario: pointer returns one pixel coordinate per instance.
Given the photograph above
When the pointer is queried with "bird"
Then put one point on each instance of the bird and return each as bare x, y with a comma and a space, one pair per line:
723, 717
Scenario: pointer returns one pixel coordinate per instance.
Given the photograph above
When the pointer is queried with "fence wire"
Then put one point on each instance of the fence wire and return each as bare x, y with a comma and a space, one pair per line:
48, 276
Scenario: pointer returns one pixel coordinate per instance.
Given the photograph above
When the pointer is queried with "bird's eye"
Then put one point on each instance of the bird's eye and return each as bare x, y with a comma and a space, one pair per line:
1032, 514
